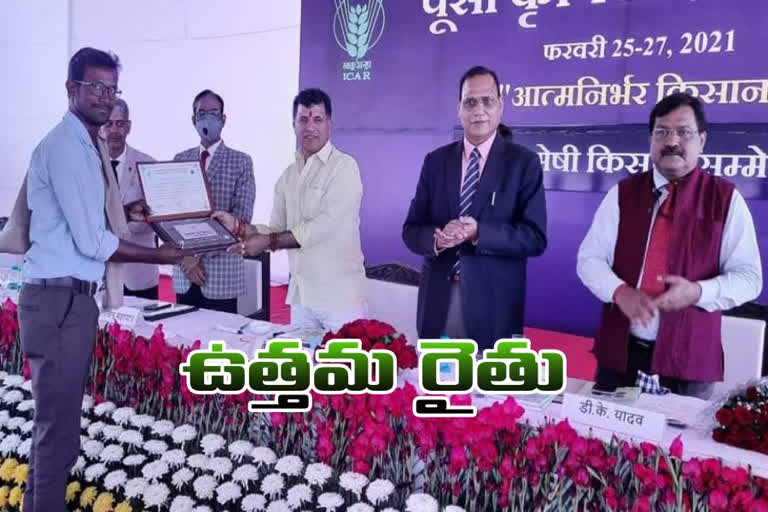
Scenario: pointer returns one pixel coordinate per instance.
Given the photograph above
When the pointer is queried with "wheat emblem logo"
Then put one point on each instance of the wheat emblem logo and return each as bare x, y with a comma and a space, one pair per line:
357, 28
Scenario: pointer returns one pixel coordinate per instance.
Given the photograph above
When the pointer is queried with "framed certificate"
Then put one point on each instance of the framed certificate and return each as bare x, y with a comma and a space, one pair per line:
179, 199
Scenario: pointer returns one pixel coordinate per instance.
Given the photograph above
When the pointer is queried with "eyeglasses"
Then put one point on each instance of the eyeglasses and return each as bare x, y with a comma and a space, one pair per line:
123, 123
200, 114
472, 102
684, 133
100, 89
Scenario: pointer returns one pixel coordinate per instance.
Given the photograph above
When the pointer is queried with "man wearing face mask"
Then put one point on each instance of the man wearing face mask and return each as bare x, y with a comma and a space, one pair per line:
140, 279
667, 251
214, 281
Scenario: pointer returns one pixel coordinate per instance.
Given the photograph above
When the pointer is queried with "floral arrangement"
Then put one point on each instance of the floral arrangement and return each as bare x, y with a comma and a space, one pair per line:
374, 334
743, 419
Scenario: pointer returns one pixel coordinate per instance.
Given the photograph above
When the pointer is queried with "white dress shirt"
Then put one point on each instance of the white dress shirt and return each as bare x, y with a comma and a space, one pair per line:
741, 275
318, 200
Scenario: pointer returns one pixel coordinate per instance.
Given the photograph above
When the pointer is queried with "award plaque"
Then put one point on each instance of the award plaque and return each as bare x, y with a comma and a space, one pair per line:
180, 204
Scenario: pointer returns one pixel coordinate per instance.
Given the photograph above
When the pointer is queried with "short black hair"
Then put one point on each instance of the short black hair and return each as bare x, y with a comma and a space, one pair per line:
91, 58
478, 71
673, 101
309, 97
204, 93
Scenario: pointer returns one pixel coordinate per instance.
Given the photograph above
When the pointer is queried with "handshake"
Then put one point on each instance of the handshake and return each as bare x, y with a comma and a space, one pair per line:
456, 232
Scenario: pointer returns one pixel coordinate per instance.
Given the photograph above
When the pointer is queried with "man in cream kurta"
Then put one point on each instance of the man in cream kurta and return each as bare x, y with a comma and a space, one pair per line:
316, 217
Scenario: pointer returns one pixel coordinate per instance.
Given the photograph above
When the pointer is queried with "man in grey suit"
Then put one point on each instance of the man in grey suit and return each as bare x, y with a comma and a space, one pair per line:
141, 279
214, 281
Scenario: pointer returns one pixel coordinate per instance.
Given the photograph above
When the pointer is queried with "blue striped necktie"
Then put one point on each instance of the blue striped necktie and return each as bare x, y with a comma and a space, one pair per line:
468, 189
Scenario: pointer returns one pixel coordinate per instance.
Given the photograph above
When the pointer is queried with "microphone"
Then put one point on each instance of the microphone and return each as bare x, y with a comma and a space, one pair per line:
656, 192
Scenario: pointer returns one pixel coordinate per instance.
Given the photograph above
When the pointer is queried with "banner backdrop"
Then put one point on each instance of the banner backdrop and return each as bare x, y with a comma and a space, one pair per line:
579, 79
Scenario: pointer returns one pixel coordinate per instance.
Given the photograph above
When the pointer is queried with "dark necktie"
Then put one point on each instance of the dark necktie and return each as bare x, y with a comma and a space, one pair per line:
656, 255
468, 189
203, 159
115, 163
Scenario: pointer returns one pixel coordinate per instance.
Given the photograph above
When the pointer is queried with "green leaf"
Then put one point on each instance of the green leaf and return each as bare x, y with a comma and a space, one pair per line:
362, 49
352, 17
351, 50
362, 29
352, 39
363, 18
352, 27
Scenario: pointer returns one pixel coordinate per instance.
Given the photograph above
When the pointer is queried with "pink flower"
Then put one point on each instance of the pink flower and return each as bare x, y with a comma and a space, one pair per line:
718, 500
458, 459
676, 448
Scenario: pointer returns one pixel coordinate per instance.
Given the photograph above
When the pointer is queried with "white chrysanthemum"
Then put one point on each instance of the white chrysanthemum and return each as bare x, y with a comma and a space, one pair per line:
94, 429
211, 443
182, 477
279, 506
298, 495
163, 427
4, 417
142, 420
272, 485
239, 449
132, 438
360, 507
198, 461
13, 381
115, 480
13, 397
15, 422
220, 467
112, 432
183, 433
87, 403
24, 448
26, 405
245, 474
174, 458
253, 503
27, 427
104, 408
79, 466
134, 460
84, 423
289, 465
353, 482
453, 508
83, 439
330, 501
204, 487
318, 473
227, 492
379, 491
182, 504
263, 455
155, 470
92, 448
155, 447
134, 488
122, 415
421, 502
155, 495
94, 472
112, 453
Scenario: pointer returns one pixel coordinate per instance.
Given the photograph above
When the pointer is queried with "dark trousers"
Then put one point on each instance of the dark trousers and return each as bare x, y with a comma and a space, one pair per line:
194, 297
147, 293
58, 332
640, 357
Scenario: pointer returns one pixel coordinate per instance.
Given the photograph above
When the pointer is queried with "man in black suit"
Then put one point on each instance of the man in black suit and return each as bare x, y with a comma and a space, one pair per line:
478, 214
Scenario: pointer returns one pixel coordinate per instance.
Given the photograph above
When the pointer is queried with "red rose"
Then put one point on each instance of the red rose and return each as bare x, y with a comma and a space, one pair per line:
724, 417
743, 416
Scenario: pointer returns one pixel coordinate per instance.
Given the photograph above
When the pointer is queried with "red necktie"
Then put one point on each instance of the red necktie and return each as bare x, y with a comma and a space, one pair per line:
204, 158
656, 256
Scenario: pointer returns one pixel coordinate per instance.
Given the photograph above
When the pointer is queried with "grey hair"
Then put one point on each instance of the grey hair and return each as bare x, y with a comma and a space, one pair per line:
122, 105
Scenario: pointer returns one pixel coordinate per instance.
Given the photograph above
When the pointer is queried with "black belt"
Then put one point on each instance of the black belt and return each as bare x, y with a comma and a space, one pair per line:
640, 341
77, 285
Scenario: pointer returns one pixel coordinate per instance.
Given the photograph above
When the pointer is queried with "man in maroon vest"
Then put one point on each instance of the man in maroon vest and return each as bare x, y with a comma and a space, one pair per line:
667, 250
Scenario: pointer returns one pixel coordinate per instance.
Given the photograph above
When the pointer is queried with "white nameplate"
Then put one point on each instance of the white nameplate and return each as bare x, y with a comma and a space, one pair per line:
126, 317
612, 416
